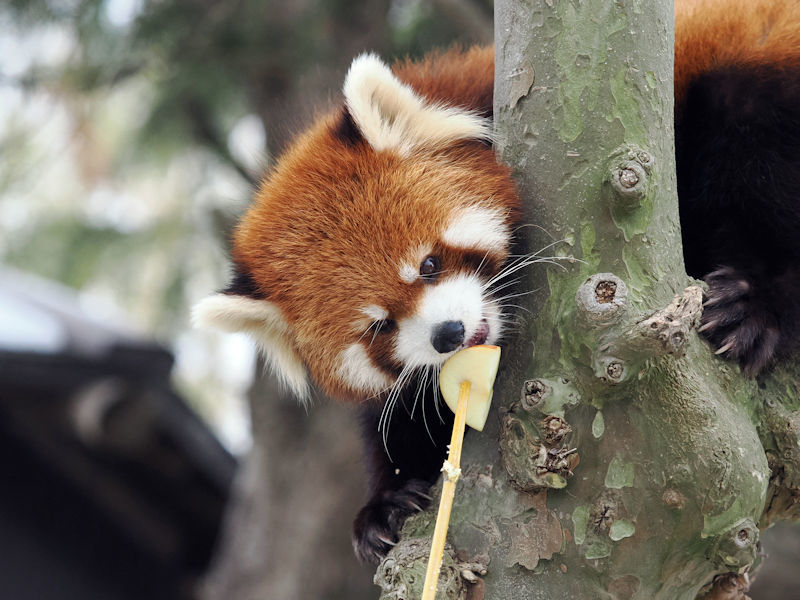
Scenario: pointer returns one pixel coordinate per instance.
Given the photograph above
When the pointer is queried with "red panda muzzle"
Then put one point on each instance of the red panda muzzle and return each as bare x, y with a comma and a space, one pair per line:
447, 336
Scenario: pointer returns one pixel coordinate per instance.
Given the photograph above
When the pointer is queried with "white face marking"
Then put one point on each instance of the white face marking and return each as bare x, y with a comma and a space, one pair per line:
408, 273
391, 116
375, 312
409, 270
356, 369
478, 227
458, 298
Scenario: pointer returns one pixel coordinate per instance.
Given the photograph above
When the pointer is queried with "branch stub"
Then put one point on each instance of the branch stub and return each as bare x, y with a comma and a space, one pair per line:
602, 298
736, 548
534, 393
401, 573
628, 175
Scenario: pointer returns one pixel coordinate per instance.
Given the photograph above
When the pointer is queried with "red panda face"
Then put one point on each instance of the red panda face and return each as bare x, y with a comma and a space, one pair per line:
370, 252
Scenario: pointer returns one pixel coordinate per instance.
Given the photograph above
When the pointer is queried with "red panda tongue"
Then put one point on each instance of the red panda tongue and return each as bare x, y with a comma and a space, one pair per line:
480, 335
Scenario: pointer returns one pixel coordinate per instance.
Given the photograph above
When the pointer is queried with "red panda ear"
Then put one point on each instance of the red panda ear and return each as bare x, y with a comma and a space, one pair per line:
265, 322
346, 130
390, 116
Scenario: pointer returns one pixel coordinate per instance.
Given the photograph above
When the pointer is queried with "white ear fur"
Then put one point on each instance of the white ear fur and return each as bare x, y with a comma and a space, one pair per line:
391, 116
266, 323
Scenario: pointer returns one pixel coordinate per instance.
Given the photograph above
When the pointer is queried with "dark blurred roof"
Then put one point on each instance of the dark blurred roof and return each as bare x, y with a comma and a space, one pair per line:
104, 466
37, 315
41, 318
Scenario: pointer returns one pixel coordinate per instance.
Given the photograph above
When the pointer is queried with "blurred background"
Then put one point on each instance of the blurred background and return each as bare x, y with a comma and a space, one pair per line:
132, 134
142, 458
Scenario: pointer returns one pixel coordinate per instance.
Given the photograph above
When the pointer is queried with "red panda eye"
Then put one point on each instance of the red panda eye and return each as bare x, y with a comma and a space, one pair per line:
429, 267
385, 326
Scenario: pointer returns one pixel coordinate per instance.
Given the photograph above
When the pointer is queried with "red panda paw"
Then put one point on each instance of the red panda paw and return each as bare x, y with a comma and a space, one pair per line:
377, 526
739, 323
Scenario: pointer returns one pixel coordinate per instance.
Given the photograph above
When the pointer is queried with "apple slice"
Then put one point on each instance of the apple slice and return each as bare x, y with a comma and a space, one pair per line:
478, 365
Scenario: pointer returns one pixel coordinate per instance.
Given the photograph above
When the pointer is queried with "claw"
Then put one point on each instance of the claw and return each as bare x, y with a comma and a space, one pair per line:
707, 326
725, 348
377, 524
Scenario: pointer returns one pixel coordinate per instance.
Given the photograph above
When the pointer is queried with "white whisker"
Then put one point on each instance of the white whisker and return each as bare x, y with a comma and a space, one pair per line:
436, 403
366, 331
391, 401
527, 310
374, 334
480, 265
507, 284
422, 381
515, 295
516, 266
543, 230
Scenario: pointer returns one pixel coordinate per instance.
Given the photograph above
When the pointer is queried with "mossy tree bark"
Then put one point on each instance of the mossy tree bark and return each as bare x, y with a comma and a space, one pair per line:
625, 461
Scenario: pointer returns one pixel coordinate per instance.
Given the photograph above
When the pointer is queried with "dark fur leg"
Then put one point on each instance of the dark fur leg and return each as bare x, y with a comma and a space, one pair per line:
399, 481
738, 156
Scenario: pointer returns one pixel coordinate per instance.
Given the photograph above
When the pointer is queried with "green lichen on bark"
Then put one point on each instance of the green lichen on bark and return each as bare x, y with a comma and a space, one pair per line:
605, 184
623, 460
584, 26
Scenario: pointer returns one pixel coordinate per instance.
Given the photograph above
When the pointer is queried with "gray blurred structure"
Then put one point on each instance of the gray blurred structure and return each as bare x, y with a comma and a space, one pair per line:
777, 578
112, 487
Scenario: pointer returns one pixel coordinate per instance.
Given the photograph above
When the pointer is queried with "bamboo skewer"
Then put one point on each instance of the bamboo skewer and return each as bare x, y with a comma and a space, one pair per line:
452, 471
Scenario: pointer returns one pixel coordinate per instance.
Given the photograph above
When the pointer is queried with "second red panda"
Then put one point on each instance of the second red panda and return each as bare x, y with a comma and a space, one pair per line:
376, 247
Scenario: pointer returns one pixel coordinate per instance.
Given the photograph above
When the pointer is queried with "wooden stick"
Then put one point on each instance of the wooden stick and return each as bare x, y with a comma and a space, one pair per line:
452, 472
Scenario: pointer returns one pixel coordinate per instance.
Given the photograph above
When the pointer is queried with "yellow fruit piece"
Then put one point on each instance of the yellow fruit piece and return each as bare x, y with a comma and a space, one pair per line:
478, 365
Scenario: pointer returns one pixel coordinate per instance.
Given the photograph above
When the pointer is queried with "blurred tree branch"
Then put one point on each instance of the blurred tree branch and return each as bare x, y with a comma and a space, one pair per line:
207, 133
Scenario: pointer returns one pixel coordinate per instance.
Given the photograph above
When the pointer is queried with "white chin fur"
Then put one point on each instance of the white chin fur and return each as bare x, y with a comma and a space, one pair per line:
356, 369
459, 298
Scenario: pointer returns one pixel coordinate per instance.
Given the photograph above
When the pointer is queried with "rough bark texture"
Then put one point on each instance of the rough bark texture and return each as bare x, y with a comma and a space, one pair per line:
623, 460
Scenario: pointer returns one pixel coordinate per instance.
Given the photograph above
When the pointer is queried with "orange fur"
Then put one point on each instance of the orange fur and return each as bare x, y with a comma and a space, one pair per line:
452, 77
710, 34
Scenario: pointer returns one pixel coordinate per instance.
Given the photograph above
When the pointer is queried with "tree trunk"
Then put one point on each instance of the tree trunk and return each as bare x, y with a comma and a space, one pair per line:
624, 461
287, 534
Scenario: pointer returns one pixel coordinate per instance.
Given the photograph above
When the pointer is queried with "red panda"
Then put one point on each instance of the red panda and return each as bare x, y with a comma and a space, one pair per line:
376, 247
372, 253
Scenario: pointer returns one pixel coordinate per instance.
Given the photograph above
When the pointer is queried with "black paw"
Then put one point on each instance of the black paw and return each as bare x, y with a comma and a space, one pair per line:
377, 525
737, 322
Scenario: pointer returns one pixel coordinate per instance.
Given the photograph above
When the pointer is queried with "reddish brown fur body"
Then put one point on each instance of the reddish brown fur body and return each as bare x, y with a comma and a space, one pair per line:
454, 78
737, 142
710, 34
408, 197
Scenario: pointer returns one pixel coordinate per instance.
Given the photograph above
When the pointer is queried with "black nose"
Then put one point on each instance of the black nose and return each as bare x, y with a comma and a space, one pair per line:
448, 336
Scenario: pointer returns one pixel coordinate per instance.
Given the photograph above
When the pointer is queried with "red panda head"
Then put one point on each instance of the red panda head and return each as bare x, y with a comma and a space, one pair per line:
371, 248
